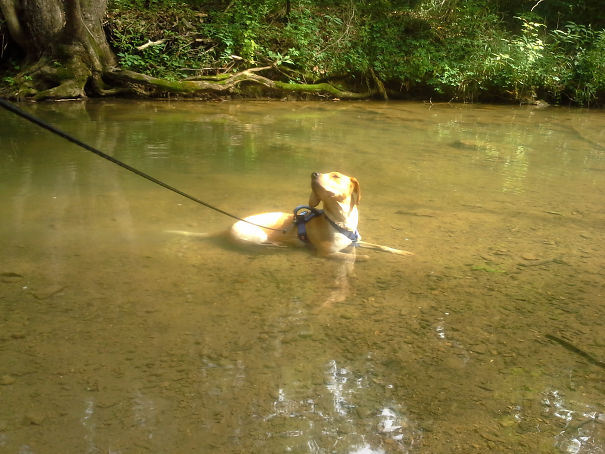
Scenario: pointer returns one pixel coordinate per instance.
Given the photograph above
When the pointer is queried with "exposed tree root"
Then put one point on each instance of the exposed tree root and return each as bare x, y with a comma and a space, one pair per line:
244, 83
74, 79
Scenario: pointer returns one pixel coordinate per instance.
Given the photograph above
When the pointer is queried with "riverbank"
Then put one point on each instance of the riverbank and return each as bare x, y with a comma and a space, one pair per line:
454, 50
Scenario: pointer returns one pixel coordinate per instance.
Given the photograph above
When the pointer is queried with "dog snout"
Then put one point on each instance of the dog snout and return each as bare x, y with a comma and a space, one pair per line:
314, 175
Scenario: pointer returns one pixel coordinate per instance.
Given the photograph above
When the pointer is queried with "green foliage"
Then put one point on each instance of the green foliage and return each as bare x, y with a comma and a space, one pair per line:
144, 4
580, 66
11, 81
466, 65
455, 49
482, 59
279, 59
179, 46
399, 48
240, 30
566, 62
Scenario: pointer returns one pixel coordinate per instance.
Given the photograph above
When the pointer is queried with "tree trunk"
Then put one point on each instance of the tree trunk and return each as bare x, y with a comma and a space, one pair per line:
64, 44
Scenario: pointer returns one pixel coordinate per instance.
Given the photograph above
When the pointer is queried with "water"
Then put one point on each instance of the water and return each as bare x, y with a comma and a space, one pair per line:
118, 337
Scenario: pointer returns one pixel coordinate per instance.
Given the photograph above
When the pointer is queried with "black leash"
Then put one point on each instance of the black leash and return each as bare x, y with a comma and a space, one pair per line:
37, 121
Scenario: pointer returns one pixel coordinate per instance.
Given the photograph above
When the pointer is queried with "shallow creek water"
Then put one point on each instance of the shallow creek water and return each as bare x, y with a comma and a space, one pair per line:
119, 336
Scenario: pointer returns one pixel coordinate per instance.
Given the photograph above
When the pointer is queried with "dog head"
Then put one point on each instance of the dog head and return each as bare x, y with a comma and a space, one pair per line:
339, 193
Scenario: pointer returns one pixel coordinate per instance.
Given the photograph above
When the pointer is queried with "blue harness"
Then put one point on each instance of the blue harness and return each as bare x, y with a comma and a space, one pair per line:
303, 214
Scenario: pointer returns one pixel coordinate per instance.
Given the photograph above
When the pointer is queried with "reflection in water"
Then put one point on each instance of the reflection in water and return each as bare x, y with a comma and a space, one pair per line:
144, 411
128, 339
89, 426
337, 384
583, 427
337, 427
158, 150
515, 171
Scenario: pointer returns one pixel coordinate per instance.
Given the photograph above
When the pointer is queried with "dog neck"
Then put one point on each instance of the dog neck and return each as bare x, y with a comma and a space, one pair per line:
344, 220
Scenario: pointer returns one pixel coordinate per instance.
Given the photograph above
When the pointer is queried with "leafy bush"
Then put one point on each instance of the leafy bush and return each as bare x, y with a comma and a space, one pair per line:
456, 49
581, 62
470, 50
240, 30
179, 48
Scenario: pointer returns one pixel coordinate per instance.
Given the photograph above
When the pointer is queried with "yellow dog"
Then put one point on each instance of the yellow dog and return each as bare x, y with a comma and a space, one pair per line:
329, 230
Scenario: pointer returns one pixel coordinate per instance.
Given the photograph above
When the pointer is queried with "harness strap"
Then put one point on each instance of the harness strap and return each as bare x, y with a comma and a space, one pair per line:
352, 235
304, 213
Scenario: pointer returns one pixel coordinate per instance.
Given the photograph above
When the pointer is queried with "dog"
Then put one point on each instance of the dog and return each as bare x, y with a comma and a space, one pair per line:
328, 230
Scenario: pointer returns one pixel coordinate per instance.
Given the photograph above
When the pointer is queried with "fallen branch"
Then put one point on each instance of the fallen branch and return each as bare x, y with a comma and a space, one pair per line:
533, 7
150, 43
224, 84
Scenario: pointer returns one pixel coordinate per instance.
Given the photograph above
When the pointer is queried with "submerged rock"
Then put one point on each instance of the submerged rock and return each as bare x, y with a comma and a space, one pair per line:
7, 380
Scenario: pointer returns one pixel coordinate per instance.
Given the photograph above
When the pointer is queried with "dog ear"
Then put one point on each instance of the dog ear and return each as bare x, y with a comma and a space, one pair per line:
356, 192
314, 199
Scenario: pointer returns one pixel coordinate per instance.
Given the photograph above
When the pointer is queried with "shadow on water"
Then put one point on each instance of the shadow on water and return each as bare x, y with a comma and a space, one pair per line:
117, 336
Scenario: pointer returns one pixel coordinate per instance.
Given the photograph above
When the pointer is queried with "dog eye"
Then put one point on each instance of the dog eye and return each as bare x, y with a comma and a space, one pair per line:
335, 176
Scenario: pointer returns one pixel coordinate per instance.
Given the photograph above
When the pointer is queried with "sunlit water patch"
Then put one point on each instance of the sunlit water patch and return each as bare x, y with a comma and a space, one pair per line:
583, 429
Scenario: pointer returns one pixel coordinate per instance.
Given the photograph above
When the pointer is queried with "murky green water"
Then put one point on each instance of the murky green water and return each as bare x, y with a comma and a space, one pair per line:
118, 337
